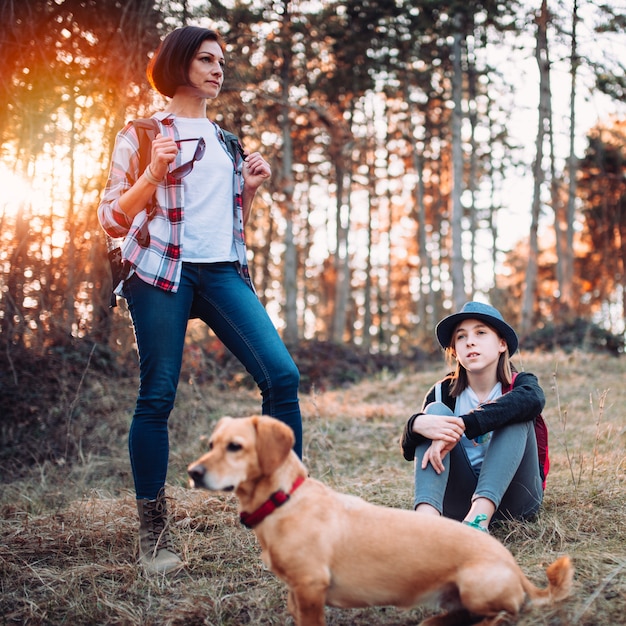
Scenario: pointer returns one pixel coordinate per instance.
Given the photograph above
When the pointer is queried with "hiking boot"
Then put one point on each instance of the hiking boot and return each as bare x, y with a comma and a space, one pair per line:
156, 553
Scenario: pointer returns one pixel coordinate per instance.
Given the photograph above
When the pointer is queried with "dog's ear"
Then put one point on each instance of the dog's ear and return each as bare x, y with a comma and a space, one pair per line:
274, 443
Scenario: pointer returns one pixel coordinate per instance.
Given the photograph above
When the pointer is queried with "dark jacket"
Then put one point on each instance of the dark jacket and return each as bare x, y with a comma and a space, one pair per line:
523, 403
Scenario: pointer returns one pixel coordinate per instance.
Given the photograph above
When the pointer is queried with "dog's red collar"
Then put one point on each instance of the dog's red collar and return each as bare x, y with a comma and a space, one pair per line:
278, 498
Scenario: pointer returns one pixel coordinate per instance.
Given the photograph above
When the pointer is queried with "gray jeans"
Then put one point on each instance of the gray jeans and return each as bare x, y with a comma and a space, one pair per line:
509, 475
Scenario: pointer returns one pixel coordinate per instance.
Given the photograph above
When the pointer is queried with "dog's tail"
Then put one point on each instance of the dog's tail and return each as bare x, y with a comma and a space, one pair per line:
560, 575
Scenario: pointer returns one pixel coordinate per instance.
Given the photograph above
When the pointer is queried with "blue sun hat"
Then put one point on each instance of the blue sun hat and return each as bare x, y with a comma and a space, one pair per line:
477, 311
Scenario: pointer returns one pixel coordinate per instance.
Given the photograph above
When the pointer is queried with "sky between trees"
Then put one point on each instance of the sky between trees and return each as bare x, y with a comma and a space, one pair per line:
404, 141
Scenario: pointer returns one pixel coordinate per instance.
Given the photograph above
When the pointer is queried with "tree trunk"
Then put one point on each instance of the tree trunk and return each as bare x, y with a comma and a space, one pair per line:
290, 265
543, 61
339, 150
67, 317
425, 269
456, 218
342, 266
567, 260
473, 168
372, 207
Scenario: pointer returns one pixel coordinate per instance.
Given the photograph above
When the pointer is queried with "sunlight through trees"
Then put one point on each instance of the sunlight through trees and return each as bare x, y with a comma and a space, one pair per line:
396, 162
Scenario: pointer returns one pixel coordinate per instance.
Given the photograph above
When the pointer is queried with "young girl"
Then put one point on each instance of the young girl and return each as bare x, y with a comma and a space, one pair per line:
187, 258
474, 442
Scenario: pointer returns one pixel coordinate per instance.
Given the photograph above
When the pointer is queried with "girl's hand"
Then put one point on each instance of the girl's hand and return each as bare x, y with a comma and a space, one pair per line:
256, 170
436, 454
164, 151
447, 428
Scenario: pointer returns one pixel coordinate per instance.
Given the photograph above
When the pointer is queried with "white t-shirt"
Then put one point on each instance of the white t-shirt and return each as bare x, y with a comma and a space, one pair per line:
208, 210
466, 402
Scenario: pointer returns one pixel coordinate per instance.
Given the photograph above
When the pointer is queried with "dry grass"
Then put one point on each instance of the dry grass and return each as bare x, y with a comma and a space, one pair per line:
67, 531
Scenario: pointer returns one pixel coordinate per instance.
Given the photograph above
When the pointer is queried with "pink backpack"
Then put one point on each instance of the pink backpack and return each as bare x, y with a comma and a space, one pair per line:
541, 432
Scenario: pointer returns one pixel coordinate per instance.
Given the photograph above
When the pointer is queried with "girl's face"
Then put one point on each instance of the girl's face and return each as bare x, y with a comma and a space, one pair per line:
477, 346
206, 71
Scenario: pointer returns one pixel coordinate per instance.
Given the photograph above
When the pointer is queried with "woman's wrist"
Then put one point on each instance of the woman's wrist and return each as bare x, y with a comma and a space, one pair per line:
150, 177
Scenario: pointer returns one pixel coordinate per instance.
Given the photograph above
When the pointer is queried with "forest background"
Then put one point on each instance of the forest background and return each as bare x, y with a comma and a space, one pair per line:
420, 159
424, 153
392, 130
398, 133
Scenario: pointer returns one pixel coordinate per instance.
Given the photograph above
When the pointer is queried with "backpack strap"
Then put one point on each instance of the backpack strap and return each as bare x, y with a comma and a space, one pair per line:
147, 129
232, 144
438, 392
442, 393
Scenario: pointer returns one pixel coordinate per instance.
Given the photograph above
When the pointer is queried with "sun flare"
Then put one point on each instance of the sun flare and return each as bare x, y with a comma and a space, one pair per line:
16, 192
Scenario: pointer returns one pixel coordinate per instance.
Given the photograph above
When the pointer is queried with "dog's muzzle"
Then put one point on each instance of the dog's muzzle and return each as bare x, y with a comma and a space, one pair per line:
196, 476
198, 480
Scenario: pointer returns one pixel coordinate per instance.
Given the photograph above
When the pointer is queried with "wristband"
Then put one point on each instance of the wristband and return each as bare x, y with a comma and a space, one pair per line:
150, 177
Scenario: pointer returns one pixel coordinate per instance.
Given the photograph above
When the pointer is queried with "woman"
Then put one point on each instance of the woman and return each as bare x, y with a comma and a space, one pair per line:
474, 442
182, 220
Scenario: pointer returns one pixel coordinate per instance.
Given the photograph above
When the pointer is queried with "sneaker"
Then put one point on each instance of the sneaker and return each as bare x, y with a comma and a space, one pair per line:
477, 523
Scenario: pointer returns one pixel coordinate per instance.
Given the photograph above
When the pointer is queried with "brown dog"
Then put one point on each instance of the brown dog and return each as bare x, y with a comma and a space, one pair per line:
338, 550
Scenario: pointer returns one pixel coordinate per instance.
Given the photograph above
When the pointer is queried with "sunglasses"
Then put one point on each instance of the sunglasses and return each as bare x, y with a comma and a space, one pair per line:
184, 169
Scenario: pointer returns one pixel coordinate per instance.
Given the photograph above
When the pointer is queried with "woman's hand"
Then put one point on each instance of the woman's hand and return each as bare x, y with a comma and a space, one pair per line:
436, 454
447, 428
256, 170
164, 151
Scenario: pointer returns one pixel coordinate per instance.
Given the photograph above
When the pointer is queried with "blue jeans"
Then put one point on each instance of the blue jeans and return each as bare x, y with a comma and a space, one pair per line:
217, 295
509, 475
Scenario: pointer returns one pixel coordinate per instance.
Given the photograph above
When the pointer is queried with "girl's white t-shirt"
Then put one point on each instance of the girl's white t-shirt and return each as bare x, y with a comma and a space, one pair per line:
208, 211
468, 401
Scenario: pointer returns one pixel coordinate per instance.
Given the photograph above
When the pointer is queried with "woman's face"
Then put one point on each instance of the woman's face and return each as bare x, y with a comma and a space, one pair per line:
206, 71
477, 346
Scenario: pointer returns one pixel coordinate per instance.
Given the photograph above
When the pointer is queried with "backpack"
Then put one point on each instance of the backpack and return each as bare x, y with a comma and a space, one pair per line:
147, 129
541, 434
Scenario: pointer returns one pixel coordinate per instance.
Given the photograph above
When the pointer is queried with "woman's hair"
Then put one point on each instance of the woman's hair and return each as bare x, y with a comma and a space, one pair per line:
169, 67
459, 376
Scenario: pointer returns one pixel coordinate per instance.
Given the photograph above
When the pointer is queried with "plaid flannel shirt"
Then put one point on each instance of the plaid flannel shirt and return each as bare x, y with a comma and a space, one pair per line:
152, 241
